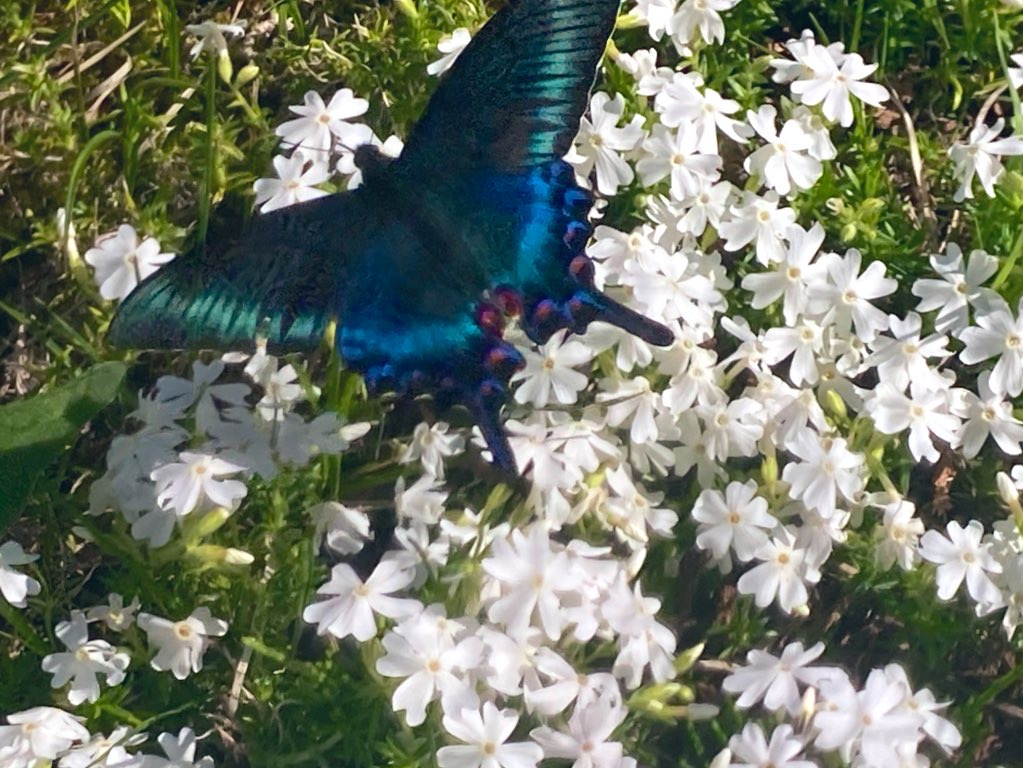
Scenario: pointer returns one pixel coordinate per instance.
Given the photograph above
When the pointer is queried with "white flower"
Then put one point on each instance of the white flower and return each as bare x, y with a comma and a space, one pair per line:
753, 750
352, 610
903, 359
737, 518
83, 661
320, 123
804, 343
732, 428
675, 154
425, 650
642, 640
997, 334
957, 289
986, 415
551, 372
450, 46
981, 156
924, 412
180, 751
776, 680
106, 751
792, 276
532, 576
117, 616
850, 294
682, 103
486, 740
827, 470
212, 37
600, 140
180, 645
832, 83
341, 528
38, 735
902, 531
16, 586
758, 219
122, 261
702, 15
961, 555
943, 732
873, 720
780, 574
657, 14
586, 739
784, 162
431, 444
297, 177
184, 486
358, 135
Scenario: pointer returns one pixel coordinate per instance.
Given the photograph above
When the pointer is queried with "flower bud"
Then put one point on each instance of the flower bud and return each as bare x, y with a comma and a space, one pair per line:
213, 554
224, 67
246, 75
685, 660
408, 8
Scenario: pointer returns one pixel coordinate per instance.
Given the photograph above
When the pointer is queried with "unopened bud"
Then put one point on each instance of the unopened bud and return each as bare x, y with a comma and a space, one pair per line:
408, 7
685, 660
246, 75
224, 67
834, 403
213, 554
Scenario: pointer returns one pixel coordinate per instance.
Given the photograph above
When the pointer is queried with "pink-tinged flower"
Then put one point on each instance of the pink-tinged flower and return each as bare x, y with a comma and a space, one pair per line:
960, 555
180, 645
122, 260
981, 156
486, 741
997, 334
832, 84
320, 123
353, 609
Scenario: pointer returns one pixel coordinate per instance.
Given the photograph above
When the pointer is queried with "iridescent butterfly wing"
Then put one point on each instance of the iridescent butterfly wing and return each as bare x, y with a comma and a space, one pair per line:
478, 218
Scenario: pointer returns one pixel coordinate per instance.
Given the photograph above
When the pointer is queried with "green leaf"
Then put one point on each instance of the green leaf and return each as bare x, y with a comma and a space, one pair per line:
33, 432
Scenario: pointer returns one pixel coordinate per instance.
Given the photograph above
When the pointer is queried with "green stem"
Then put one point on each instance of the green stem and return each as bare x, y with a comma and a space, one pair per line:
25, 631
206, 190
1017, 112
1009, 263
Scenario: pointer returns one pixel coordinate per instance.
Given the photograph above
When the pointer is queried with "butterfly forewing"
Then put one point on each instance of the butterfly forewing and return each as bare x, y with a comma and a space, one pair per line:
514, 97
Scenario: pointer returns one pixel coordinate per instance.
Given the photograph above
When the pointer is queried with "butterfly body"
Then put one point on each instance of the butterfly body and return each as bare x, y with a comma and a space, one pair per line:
478, 220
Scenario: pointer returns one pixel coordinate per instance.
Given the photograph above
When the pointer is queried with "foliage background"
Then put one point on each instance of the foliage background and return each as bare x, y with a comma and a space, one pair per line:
103, 113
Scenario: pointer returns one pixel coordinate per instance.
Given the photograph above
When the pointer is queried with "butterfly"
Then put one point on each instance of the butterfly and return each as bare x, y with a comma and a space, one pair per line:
477, 221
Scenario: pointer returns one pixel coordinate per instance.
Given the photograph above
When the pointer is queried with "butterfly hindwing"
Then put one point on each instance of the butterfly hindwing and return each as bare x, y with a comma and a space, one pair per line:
514, 97
280, 281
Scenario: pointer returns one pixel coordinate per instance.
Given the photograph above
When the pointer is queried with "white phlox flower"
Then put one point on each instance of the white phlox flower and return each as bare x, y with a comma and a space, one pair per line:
14, 585
674, 154
212, 37
850, 294
450, 46
736, 519
754, 751
116, 615
586, 738
180, 645
958, 289
320, 124
961, 555
180, 750
777, 680
122, 260
780, 575
783, 163
758, 220
297, 177
981, 157
37, 736
342, 529
550, 373
791, 277
900, 535
600, 141
83, 661
984, 415
486, 740
924, 412
643, 642
355, 603
703, 16
832, 83
431, 444
997, 334
902, 358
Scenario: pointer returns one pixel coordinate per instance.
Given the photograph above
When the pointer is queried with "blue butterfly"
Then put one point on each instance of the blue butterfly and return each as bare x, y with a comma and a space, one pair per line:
478, 220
